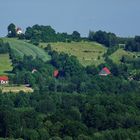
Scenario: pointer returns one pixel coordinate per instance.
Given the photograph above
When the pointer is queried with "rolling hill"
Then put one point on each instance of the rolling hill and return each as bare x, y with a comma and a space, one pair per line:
117, 55
88, 53
22, 48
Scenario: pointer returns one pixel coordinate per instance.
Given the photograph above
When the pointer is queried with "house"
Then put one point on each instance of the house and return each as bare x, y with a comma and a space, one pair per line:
56, 73
104, 72
19, 31
4, 80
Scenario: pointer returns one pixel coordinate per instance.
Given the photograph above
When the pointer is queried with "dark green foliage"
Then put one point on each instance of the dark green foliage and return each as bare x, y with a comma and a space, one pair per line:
12, 30
40, 33
76, 36
4, 47
76, 117
46, 106
133, 45
68, 66
108, 39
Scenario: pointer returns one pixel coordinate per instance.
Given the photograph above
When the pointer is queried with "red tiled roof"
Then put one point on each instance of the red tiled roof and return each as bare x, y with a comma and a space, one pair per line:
4, 78
18, 29
106, 70
56, 72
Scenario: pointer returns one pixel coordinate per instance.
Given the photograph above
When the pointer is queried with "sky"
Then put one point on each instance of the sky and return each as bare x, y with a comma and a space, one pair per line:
121, 17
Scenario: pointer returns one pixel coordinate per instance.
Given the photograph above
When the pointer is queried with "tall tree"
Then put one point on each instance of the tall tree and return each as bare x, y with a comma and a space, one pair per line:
76, 36
12, 30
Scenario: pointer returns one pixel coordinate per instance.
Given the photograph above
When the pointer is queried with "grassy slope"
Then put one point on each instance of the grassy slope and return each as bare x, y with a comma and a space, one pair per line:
117, 55
5, 64
22, 48
88, 53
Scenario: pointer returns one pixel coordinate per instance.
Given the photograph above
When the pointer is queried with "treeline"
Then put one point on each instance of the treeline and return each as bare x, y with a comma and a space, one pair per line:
4, 47
39, 33
48, 34
108, 39
133, 44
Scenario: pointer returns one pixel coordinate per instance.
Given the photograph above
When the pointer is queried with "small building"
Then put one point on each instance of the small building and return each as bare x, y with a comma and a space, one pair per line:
104, 72
4, 80
19, 31
56, 73
34, 70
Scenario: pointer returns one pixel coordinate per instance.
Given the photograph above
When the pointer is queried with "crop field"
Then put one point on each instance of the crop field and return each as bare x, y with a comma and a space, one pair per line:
22, 48
88, 53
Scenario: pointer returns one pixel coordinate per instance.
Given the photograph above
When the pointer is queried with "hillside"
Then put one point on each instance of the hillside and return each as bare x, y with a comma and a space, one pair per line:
117, 55
88, 53
5, 64
22, 48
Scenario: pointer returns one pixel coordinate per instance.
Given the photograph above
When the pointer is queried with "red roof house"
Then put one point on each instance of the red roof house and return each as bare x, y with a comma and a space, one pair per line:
4, 80
56, 73
104, 72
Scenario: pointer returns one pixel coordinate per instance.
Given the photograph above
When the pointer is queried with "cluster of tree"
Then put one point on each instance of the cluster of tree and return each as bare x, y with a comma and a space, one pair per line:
133, 44
108, 39
42, 33
63, 116
4, 47
12, 32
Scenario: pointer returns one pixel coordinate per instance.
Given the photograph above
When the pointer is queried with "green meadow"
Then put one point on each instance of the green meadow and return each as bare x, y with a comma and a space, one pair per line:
22, 48
88, 53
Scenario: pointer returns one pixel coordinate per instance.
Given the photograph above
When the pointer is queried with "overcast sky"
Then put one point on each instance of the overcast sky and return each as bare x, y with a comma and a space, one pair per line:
119, 16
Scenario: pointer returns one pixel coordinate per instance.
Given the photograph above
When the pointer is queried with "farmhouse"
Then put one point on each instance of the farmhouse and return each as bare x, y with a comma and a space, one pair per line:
19, 31
104, 72
4, 80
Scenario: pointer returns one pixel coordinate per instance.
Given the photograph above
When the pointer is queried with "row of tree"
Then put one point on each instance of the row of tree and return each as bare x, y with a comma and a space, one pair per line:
4, 47
133, 44
40, 33
108, 39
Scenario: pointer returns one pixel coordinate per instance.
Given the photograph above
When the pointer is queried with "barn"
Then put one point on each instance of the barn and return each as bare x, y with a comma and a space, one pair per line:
4, 80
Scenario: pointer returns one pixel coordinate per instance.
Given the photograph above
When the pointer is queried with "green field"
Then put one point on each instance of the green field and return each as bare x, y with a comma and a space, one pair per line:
22, 48
5, 64
117, 55
88, 53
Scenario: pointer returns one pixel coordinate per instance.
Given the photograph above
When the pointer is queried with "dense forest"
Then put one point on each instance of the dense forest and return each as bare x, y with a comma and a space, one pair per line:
76, 103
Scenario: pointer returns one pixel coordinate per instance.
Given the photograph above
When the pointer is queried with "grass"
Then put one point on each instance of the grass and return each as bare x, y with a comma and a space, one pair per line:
22, 48
16, 89
88, 53
5, 64
117, 55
